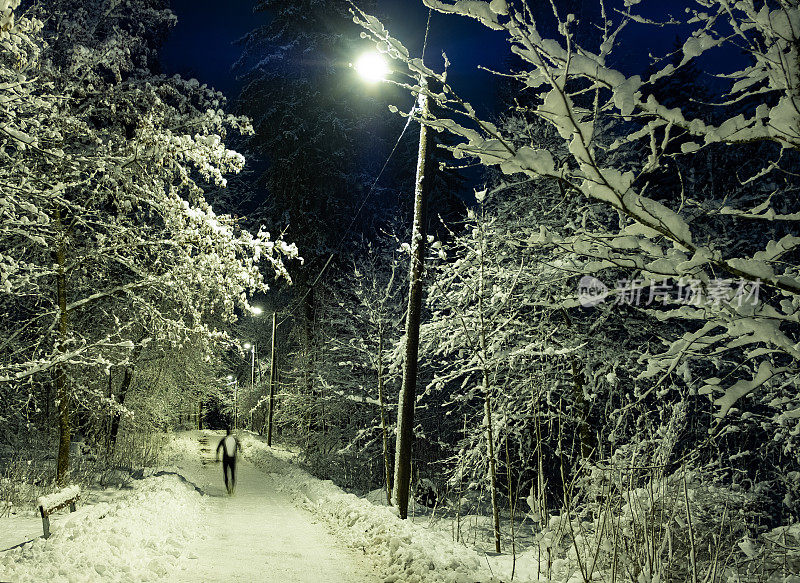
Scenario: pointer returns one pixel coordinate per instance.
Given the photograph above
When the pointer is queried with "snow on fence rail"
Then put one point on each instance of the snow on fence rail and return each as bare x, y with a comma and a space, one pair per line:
57, 500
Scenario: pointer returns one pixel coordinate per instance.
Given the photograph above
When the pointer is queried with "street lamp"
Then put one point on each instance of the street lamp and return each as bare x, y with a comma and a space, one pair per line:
371, 69
235, 382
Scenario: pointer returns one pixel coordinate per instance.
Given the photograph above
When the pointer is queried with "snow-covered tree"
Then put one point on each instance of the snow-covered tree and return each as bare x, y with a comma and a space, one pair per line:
346, 423
363, 335
736, 251
109, 241
314, 142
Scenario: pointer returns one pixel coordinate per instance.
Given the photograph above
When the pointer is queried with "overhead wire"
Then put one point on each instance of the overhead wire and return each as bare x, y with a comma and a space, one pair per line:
369, 192
353, 220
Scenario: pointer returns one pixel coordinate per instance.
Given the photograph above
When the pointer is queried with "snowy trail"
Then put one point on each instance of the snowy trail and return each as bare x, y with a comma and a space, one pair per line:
259, 534
179, 525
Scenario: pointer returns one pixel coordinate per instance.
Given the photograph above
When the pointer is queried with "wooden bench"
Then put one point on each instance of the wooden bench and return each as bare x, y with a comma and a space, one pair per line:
56, 501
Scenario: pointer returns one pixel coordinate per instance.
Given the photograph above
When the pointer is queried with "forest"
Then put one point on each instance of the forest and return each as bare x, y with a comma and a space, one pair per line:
568, 326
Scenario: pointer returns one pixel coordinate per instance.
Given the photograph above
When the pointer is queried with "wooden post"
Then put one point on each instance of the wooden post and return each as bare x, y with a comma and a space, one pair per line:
46, 512
273, 373
45, 522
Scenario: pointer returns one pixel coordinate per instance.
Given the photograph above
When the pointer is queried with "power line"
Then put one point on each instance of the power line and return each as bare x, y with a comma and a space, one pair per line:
372, 188
355, 216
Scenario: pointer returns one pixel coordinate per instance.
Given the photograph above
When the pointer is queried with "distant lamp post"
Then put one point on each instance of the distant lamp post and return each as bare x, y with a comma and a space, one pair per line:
252, 349
373, 67
273, 373
235, 382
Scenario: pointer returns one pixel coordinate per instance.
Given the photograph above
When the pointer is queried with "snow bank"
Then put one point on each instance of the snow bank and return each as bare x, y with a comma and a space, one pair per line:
141, 535
58, 498
406, 552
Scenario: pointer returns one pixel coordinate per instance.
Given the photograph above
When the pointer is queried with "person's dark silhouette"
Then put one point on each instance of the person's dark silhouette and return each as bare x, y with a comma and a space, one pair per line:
230, 446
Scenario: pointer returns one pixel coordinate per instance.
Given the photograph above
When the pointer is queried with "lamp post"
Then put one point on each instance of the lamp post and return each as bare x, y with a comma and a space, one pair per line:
374, 68
252, 349
256, 311
273, 373
235, 382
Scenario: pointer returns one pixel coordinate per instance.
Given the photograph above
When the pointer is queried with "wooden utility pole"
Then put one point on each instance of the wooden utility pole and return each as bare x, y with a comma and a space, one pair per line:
408, 391
273, 371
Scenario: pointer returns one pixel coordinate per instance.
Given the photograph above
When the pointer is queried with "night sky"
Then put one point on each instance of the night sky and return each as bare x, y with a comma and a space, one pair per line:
202, 45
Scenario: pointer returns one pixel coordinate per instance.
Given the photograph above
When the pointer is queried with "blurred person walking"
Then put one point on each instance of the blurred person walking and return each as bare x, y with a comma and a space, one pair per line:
230, 447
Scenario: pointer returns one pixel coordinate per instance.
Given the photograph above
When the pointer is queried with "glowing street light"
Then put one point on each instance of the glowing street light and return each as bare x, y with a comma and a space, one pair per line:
252, 349
257, 311
372, 67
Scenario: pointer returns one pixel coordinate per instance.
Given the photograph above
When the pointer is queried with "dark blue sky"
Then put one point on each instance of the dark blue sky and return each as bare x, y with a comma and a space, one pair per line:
202, 43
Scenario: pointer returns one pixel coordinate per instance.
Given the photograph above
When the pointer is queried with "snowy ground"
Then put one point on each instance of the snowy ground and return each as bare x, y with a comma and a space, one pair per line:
403, 550
144, 533
259, 534
182, 526
282, 525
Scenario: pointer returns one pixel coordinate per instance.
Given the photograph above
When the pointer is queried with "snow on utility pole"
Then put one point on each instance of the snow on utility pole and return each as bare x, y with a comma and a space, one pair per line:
405, 409
273, 369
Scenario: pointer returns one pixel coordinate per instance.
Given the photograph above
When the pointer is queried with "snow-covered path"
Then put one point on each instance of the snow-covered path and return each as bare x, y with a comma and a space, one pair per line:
259, 534
278, 527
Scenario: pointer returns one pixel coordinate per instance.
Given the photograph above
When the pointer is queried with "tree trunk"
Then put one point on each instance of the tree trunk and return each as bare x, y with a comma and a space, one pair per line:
62, 392
492, 468
387, 469
408, 390
488, 401
584, 433
127, 378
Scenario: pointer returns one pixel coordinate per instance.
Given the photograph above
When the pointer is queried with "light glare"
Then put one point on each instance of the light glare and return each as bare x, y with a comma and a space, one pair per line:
372, 67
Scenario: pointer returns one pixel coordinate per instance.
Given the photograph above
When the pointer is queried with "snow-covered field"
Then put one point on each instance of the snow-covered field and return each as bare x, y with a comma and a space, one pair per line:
160, 528
179, 525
